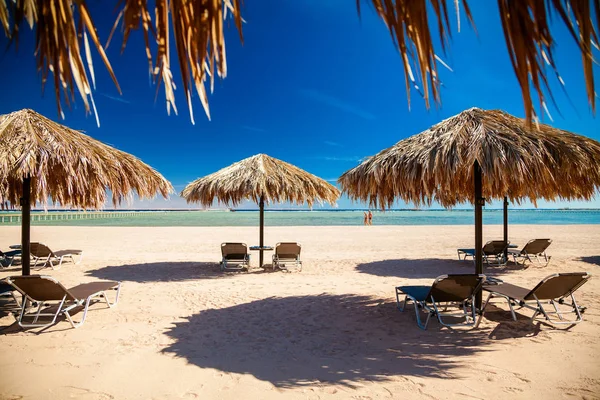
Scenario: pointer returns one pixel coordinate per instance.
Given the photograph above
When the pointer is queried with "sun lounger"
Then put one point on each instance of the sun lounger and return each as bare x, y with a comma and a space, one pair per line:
40, 253
552, 290
287, 254
235, 257
446, 291
7, 258
492, 251
51, 299
534, 248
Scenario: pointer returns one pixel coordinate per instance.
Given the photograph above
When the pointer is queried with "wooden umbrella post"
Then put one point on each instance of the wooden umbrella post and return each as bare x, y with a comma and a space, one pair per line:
25, 225
479, 200
505, 229
261, 204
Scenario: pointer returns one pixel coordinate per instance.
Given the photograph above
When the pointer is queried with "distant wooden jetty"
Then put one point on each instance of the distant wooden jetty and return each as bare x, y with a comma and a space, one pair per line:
10, 218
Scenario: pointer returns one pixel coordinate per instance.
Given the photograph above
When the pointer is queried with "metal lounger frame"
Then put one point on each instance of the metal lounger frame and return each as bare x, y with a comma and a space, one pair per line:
51, 257
527, 257
498, 259
240, 264
470, 317
281, 262
539, 305
59, 307
10, 259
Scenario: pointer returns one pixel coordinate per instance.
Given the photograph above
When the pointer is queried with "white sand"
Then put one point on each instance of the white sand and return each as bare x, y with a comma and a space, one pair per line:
184, 330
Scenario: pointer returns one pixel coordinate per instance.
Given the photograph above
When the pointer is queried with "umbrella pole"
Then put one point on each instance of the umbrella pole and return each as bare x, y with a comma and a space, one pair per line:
478, 227
505, 228
262, 229
25, 225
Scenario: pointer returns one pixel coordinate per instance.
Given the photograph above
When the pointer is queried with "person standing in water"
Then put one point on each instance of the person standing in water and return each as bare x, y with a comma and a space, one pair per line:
370, 217
366, 220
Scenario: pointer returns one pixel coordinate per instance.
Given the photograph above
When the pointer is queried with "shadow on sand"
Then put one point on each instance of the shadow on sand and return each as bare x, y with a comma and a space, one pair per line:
590, 260
167, 271
428, 268
341, 339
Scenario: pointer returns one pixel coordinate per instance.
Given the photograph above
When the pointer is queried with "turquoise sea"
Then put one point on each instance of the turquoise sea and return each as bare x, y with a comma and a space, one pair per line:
337, 217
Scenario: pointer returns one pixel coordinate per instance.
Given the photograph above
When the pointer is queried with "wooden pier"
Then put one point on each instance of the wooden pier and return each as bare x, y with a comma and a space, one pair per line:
12, 218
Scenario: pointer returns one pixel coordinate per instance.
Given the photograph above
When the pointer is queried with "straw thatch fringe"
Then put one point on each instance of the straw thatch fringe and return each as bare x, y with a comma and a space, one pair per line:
67, 166
528, 34
59, 43
257, 176
541, 162
63, 27
200, 43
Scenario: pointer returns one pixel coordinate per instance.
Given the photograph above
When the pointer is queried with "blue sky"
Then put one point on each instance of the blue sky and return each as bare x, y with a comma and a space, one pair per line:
313, 85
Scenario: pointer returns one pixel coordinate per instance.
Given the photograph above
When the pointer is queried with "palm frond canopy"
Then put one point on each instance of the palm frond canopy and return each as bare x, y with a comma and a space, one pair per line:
67, 166
65, 31
260, 176
517, 161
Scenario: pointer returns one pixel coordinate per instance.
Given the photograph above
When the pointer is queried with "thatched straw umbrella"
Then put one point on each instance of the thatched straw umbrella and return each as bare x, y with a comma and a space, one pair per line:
40, 159
478, 155
260, 178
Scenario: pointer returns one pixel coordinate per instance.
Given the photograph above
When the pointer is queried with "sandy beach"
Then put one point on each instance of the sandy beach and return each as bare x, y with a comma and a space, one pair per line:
184, 330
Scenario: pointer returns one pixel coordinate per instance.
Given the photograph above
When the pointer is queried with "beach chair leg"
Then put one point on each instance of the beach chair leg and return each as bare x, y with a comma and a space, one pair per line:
512, 310
38, 314
76, 324
73, 323
535, 313
400, 304
561, 319
418, 306
118, 290
473, 311
547, 259
39, 310
539, 310
469, 319
577, 309
80, 258
487, 301
59, 261
510, 304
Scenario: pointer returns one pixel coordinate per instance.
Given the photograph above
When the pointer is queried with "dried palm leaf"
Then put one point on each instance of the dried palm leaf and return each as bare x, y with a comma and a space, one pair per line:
527, 30
408, 22
199, 40
257, 177
518, 161
58, 47
67, 166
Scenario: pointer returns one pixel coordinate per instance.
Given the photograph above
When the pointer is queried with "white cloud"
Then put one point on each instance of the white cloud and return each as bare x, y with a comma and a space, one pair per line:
335, 102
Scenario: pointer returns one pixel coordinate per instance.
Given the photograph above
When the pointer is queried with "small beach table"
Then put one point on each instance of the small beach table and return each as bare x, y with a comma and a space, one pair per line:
261, 250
